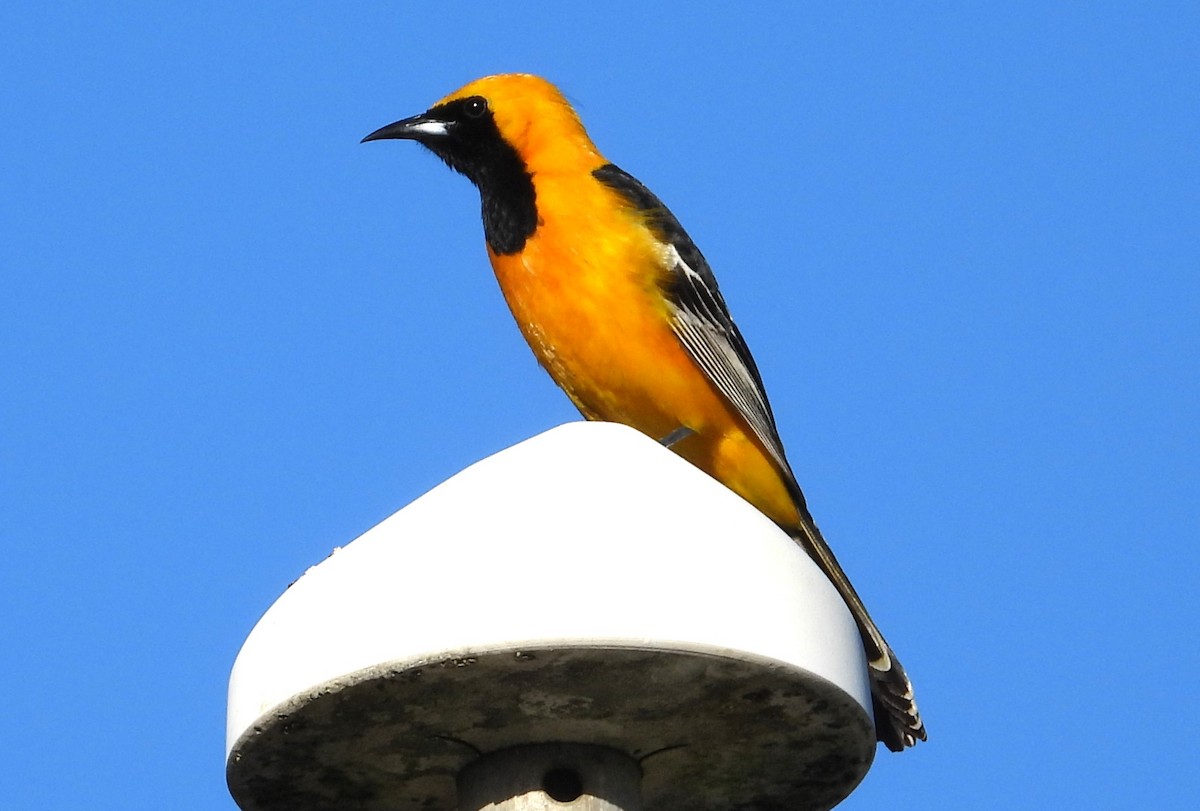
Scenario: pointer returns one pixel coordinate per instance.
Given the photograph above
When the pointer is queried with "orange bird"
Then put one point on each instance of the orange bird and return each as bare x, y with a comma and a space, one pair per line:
622, 310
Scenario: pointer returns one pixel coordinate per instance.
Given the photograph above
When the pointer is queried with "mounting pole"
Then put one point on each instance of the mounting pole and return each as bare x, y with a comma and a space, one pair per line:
582, 619
543, 777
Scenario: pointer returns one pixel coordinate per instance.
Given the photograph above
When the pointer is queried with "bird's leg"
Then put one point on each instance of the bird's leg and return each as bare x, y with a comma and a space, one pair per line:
679, 434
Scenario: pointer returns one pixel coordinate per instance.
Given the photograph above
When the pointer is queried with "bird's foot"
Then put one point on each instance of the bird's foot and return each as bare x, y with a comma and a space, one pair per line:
678, 435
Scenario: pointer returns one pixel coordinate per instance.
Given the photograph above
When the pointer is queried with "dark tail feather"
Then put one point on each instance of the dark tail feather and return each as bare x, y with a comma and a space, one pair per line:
897, 721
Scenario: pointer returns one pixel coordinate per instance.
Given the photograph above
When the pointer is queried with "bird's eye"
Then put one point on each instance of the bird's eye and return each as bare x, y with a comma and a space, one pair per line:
476, 106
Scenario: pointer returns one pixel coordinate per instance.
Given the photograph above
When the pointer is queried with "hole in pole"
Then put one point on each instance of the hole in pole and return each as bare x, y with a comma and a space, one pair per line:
562, 785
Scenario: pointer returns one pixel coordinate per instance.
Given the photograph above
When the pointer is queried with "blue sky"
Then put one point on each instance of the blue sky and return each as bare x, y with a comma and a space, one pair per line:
962, 241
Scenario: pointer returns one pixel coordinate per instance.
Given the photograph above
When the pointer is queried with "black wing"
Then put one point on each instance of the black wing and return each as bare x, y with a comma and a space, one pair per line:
700, 319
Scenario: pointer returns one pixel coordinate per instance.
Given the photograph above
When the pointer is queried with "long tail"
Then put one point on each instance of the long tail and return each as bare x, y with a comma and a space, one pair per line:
897, 721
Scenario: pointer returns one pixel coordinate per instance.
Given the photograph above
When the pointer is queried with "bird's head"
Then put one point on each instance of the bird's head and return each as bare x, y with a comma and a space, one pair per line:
497, 125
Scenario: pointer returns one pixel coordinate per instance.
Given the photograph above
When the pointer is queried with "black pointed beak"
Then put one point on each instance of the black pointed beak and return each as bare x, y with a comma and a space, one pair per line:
423, 127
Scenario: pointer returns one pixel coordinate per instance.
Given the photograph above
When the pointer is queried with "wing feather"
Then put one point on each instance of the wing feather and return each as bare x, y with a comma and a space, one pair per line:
700, 318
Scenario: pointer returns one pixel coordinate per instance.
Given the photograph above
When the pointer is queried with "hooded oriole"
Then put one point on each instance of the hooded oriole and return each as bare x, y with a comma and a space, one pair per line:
622, 310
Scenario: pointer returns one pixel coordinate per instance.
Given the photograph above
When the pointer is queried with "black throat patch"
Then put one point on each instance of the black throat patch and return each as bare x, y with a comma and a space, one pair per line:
475, 147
